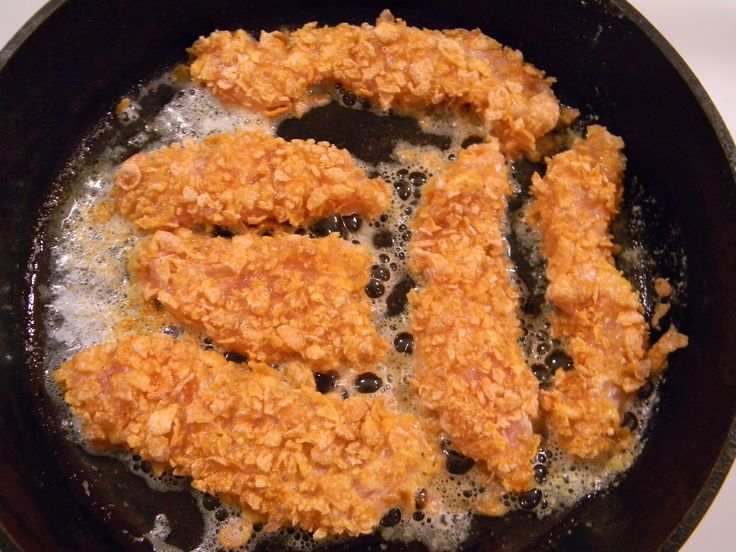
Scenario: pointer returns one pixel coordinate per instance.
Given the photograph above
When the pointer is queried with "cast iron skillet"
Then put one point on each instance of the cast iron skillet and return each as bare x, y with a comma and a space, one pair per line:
62, 73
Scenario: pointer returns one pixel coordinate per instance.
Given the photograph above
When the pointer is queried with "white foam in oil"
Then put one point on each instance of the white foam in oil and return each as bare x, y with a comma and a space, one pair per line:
89, 299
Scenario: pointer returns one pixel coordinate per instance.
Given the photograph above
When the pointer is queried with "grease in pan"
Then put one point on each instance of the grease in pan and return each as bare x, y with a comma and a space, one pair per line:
456, 277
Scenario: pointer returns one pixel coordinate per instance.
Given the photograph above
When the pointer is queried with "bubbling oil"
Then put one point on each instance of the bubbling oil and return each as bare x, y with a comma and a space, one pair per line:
90, 301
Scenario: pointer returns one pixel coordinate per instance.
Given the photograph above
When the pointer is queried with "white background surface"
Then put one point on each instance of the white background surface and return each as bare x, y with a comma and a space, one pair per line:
704, 33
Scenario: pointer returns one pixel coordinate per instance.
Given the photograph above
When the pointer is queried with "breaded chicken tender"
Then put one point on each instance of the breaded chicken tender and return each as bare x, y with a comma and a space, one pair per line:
397, 66
470, 368
290, 454
276, 299
241, 178
597, 312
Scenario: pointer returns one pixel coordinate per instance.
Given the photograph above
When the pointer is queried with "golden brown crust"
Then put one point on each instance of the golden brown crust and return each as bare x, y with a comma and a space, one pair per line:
241, 178
656, 357
397, 66
470, 368
241, 432
277, 299
660, 311
597, 312
662, 287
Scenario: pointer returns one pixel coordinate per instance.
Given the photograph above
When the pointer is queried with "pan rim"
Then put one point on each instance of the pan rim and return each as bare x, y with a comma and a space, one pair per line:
723, 463
725, 460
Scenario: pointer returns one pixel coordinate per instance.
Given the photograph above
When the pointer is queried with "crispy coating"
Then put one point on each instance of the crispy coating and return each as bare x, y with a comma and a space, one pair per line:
276, 299
397, 66
660, 311
241, 178
597, 311
470, 369
242, 433
662, 287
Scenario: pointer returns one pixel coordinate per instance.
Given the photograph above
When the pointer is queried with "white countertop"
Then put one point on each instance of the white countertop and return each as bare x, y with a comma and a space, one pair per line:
704, 33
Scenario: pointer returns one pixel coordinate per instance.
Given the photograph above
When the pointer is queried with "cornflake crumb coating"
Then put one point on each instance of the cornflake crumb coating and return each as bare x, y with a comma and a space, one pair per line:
276, 299
241, 433
597, 312
397, 66
241, 178
470, 368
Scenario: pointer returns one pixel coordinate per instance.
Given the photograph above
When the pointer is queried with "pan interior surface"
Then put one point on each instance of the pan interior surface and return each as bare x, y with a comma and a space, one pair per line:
60, 497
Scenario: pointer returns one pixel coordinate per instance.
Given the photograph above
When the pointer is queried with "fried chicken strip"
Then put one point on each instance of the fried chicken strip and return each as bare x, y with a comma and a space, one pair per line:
242, 433
470, 369
241, 178
397, 66
276, 299
597, 312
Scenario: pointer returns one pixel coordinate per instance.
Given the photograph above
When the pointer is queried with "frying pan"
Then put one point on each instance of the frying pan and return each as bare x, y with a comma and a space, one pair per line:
58, 81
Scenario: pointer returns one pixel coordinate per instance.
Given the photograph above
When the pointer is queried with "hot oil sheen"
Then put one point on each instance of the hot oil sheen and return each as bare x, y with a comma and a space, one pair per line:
89, 299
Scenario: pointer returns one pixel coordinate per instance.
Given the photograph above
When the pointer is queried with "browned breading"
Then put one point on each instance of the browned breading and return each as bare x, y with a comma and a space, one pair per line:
240, 178
277, 299
656, 356
291, 454
662, 287
660, 311
397, 66
470, 369
597, 312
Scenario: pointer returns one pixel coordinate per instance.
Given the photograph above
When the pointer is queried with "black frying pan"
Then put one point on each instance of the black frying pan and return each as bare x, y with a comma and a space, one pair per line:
61, 76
